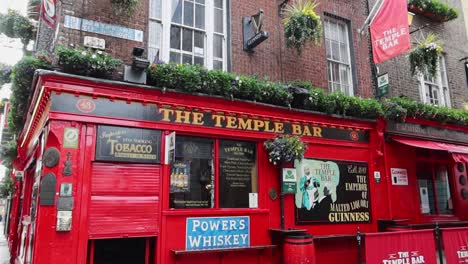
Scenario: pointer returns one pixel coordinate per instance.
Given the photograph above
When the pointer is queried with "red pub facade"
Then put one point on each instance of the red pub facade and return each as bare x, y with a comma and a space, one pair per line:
122, 173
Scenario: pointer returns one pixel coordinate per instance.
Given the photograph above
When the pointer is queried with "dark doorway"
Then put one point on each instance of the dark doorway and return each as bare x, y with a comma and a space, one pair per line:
122, 251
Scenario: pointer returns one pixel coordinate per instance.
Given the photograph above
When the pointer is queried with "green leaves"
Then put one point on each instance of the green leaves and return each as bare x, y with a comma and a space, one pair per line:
301, 24
285, 148
14, 25
424, 59
124, 7
86, 62
438, 8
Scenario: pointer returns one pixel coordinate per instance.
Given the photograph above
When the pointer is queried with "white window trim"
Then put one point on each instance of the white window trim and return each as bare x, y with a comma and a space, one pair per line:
438, 83
164, 53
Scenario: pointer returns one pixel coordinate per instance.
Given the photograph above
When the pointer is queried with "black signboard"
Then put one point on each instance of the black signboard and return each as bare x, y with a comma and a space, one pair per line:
427, 132
128, 144
236, 167
334, 192
48, 185
104, 107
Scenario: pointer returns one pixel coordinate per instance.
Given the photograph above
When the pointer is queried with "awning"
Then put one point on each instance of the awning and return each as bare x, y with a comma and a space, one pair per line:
418, 143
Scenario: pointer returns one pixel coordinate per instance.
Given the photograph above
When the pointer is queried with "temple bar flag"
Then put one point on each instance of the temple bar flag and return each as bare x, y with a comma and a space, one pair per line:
390, 30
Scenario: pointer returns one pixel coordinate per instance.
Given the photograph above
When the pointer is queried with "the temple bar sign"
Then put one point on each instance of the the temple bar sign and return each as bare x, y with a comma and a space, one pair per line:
128, 144
252, 31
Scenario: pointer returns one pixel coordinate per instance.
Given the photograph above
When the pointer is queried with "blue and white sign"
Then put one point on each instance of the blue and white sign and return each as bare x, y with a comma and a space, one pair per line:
103, 28
217, 232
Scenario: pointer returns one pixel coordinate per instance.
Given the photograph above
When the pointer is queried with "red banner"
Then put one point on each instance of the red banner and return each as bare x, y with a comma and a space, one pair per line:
407, 247
456, 245
49, 12
390, 30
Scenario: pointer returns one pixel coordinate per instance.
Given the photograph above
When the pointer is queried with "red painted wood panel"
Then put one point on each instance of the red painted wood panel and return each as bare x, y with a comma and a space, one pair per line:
125, 179
124, 200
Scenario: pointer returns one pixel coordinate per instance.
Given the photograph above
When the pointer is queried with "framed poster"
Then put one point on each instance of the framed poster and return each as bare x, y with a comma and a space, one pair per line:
332, 192
128, 144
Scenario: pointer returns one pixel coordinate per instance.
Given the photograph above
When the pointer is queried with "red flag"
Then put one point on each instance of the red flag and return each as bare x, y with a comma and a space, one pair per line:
390, 30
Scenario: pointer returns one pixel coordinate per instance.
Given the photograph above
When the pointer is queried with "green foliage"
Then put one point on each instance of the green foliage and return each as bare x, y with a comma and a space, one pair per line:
14, 25
301, 24
424, 59
86, 62
394, 111
8, 153
6, 186
5, 72
22, 77
124, 7
440, 9
285, 148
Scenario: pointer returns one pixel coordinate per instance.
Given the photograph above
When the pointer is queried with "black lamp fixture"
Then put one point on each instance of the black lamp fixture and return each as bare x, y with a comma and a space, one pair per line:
139, 63
136, 72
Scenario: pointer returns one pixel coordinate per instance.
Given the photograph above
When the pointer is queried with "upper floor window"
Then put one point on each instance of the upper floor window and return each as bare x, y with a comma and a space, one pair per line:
193, 32
435, 90
338, 56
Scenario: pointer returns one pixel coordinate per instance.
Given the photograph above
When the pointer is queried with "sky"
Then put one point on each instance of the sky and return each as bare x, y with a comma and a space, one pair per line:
10, 50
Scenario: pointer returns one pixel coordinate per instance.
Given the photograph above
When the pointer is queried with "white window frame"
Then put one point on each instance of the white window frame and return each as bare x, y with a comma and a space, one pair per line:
331, 85
440, 83
166, 21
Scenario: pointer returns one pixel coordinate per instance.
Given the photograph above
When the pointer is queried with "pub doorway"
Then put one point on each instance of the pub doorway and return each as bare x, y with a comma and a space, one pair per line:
122, 251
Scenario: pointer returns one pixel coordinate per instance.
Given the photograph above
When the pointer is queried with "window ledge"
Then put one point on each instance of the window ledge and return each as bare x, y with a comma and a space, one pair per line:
215, 212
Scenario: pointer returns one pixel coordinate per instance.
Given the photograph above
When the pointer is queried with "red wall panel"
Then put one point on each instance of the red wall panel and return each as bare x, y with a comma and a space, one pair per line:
124, 200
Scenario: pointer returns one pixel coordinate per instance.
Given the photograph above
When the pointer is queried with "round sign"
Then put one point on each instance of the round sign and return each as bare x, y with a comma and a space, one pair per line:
71, 135
86, 105
51, 157
354, 135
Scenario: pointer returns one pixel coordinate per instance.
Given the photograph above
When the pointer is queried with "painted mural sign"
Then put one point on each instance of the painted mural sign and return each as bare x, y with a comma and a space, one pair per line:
151, 112
217, 232
128, 144
332, 192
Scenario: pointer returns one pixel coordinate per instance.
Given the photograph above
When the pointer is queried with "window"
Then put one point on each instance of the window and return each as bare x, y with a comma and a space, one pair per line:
203, 174
194, 32
434, 90
434, 188
338, 56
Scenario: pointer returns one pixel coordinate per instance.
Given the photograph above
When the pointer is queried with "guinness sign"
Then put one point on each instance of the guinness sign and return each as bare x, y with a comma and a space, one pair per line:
252, 29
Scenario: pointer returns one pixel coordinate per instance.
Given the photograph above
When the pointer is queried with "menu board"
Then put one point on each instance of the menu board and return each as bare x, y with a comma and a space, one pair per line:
330, 191
236, 171
128, 144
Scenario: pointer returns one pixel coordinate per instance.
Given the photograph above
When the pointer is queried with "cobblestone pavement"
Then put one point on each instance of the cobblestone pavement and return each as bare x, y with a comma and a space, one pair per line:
4, 252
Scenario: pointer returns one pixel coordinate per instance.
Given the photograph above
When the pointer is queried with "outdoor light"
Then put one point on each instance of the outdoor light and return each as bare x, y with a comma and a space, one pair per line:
139, 63
410, 18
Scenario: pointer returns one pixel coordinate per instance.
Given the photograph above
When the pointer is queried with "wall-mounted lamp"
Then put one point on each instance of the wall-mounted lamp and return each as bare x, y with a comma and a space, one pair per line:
136, 73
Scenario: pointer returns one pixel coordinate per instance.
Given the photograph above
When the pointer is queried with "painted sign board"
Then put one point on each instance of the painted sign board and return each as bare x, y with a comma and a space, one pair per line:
203, 233
128, 144
383, 85
289, 180
399, 176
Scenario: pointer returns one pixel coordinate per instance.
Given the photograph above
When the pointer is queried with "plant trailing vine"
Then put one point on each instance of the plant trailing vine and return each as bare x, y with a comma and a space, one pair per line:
124, 7
285, 148
433, 9
301, 24
424, 59
5, 74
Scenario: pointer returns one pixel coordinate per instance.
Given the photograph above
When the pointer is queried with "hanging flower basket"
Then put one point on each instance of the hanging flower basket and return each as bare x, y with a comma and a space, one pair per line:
301, 24
424, 59
284, 149
434, 10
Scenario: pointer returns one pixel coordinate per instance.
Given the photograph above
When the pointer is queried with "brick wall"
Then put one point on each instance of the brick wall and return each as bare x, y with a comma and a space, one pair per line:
271, 58
453, 35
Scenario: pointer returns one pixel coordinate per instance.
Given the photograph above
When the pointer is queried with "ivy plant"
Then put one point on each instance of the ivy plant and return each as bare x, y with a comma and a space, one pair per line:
124, 7
424, 58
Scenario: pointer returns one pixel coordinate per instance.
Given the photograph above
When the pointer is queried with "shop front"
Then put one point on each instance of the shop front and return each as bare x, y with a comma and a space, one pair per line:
133, 174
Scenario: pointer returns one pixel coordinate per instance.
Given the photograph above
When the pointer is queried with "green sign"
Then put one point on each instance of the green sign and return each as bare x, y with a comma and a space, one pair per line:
383, 85
289, 187
289, 180
70, 137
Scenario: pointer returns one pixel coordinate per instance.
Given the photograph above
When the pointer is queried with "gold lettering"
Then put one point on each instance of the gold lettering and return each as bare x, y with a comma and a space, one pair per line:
268, 127
231, 122
306, 131
198, 118
218, 119
112, 141
245, 124
296, 129
185, 117
279, 127
317, 131
166, 113
258, 124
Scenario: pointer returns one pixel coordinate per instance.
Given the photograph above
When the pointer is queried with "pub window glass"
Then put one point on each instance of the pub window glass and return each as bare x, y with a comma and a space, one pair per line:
237, 173
192, 177
443, 190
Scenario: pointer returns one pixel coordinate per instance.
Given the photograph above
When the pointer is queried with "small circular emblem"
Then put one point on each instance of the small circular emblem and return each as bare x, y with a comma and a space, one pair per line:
354, 135
86, 105
51, 157
71, 134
